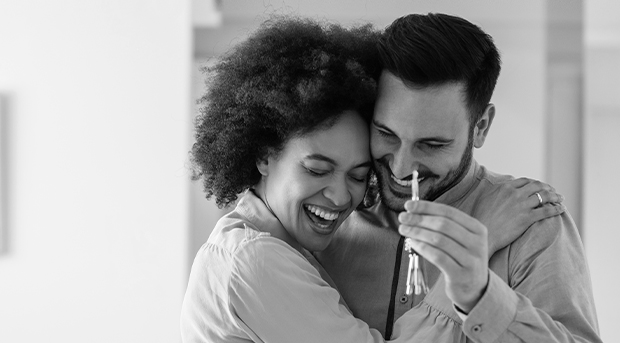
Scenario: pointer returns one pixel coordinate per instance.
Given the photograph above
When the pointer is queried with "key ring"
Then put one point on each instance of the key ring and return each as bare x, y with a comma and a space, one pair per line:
416, 282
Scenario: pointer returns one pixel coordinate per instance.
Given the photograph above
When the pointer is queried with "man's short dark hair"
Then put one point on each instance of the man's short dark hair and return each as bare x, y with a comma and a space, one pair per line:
435, 49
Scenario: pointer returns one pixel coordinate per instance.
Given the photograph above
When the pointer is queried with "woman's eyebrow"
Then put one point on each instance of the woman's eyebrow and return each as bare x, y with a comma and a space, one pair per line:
320, 157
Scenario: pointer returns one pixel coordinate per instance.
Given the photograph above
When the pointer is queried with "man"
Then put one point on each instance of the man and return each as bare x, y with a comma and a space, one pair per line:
439, 73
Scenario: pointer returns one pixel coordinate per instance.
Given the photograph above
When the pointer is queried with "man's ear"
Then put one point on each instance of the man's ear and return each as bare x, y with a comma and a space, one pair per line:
481, 130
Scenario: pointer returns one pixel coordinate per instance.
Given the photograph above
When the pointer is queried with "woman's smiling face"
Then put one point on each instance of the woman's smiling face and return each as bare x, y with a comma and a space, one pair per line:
317, 180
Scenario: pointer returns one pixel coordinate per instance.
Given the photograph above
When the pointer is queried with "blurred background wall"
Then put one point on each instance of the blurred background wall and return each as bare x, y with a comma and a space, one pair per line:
97, 98
95, 131
601, 165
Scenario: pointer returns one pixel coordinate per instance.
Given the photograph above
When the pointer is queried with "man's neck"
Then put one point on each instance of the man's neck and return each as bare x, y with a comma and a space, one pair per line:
457, 191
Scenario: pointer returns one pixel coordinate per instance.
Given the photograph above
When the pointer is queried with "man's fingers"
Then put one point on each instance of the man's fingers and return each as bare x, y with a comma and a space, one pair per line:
444, 237
436, 209
437, 257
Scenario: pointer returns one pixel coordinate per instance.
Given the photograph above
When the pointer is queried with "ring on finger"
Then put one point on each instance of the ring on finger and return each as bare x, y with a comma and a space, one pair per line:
540, 200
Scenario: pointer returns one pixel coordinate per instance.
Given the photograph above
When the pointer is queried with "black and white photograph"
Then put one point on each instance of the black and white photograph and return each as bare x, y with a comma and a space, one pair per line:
303, 171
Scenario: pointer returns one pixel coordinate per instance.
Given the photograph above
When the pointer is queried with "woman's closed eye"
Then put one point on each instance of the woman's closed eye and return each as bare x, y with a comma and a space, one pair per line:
316, 172
358, 178
359, 174
319, 173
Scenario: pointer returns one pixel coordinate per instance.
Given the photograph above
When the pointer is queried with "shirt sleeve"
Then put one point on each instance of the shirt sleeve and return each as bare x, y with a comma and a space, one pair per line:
280, 297
548, 297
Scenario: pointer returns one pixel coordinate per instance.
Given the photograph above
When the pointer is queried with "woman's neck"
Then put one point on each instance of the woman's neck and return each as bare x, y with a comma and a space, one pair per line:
277, 231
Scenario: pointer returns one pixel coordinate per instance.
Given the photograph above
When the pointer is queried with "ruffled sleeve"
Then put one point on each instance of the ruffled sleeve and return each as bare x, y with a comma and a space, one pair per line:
432, 320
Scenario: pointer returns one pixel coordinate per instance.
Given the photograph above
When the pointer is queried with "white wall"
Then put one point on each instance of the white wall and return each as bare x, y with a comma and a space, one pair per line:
98, 96
204, 214
602, 159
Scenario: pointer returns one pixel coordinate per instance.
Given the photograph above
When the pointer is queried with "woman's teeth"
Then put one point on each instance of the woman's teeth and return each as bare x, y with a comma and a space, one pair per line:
319, 212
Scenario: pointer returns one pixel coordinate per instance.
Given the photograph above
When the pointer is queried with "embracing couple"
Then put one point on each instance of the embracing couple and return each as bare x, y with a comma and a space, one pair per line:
312, 131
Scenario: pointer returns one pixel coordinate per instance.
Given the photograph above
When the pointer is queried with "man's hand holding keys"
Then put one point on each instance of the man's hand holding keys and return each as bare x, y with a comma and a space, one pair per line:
454, 242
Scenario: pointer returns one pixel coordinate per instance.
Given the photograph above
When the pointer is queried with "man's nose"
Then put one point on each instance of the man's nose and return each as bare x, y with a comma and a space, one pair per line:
338, 192
404, 161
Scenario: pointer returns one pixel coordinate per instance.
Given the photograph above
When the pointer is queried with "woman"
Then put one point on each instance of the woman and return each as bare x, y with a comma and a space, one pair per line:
285, 122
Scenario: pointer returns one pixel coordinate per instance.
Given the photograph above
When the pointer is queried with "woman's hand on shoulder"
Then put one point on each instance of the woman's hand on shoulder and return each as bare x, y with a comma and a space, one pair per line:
508, 209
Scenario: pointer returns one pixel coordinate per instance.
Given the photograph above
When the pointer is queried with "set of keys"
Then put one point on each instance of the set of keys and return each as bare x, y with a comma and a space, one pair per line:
416, 283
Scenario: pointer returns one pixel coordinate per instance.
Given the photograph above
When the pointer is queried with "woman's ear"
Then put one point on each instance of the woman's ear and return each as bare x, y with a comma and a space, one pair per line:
263, 166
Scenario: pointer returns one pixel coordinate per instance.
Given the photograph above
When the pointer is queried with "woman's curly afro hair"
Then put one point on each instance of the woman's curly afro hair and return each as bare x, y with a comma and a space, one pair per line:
289, 78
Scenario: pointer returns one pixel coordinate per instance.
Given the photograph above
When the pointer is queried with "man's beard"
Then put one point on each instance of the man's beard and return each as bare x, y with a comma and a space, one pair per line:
395, 202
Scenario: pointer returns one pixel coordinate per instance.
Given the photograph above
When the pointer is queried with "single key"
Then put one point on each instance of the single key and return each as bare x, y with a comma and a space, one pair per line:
415, 278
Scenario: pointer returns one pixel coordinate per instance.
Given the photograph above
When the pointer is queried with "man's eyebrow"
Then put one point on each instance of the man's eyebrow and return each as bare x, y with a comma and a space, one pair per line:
320, 157
381, 126
437, 139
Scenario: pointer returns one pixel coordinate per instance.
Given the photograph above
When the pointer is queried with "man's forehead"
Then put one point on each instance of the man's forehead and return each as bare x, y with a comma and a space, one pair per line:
423, 121
431, 111
425, 130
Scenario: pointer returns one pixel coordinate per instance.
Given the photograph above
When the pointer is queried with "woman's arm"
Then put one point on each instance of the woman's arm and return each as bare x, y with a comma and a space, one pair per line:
512, 207
280, 297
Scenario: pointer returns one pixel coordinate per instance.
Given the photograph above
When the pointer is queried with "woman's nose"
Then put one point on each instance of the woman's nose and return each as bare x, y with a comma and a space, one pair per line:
338, 193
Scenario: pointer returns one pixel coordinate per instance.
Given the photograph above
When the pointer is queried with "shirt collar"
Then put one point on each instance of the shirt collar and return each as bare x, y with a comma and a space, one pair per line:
462, 188
254, 209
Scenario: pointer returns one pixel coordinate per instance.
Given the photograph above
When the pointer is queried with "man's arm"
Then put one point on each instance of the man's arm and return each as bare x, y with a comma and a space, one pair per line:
549, 295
